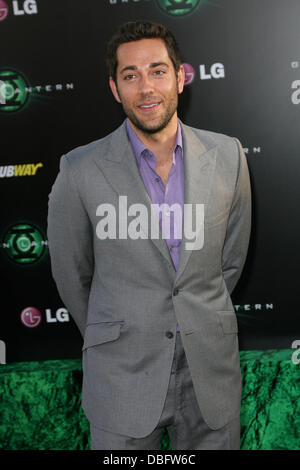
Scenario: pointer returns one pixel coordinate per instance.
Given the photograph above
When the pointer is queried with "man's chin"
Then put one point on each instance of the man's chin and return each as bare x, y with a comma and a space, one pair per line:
148, 128
151, 130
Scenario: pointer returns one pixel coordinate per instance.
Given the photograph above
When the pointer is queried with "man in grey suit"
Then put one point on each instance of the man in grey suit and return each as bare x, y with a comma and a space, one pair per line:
148, 232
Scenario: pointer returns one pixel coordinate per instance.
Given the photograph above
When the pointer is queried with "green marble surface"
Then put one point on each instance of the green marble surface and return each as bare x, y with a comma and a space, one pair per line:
270, 412
40, 404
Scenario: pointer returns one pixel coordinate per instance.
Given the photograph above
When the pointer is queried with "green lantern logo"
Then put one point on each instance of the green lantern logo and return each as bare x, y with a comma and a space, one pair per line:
24, 243
178, 7
14, 91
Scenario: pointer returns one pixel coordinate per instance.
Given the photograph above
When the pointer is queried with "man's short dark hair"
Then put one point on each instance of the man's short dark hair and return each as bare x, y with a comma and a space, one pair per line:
135, 31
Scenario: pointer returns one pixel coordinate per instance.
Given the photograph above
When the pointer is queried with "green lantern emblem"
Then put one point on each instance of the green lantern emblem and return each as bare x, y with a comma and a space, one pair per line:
178, 7
24, 243
14, 91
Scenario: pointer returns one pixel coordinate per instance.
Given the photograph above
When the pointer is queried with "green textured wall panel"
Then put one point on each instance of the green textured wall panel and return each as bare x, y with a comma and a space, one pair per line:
270, 413
40, 404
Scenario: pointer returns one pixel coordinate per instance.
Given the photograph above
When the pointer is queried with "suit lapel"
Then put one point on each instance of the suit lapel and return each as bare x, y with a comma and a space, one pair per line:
199, 165
121, 171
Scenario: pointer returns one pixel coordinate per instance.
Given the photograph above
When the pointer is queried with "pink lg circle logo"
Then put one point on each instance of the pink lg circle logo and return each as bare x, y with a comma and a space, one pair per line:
3, 10
31, 317
189, 74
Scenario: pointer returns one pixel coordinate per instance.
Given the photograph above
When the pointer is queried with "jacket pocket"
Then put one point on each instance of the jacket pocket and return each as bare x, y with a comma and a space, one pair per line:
102, 332
228, 321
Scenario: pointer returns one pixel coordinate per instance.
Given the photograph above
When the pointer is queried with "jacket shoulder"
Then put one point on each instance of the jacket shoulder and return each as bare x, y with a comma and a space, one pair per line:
210, 139
229, 149
84, 154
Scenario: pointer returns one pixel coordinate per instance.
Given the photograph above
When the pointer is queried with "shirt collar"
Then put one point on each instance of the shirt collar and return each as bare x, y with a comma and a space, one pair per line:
138, 146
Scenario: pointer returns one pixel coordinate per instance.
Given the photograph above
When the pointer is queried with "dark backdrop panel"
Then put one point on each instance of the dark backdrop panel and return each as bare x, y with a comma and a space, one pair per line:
245, 56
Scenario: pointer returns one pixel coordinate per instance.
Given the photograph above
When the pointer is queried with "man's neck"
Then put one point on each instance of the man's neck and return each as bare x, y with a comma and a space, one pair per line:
160, 143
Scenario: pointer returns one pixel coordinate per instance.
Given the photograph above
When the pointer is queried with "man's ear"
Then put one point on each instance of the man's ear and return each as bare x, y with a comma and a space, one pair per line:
114, 89
180, 79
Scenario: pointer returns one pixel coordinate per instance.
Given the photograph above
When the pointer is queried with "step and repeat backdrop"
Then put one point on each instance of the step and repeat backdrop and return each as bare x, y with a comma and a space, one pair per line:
242, 63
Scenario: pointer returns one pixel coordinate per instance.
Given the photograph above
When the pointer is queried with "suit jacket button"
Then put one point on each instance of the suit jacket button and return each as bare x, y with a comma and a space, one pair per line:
169, 334
175, 291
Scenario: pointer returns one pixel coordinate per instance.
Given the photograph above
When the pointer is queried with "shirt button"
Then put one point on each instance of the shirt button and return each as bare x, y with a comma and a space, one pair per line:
157, 179
175, 291
169, 334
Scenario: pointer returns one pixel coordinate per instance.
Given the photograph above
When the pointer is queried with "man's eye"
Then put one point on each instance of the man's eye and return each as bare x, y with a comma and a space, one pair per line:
129, 77
159, 72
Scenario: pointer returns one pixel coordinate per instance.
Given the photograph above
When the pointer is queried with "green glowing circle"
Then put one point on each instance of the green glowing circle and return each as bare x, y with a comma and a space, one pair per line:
24, 243
178, 7
14, 90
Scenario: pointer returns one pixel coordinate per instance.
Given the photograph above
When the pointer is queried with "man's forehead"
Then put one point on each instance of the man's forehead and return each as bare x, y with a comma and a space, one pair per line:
142, 53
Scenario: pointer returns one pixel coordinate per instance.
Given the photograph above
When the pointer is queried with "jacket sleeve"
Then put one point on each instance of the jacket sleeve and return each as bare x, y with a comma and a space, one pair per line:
238, 227
70, 244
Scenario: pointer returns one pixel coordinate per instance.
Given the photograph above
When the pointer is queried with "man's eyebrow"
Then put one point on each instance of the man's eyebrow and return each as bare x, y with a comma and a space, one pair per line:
152, 65
128, 67
158, 64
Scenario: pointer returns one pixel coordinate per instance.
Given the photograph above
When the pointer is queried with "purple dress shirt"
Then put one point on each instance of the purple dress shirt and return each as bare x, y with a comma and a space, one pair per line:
172, 193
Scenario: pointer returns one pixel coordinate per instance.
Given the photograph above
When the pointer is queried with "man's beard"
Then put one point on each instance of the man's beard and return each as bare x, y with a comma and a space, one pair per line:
148, 128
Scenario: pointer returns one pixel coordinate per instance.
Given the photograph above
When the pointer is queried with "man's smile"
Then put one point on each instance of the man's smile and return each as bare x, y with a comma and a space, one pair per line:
149, 107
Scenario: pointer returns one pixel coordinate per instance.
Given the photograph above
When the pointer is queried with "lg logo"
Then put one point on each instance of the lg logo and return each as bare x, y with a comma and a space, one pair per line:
20, 8
61, 315
215, 71
29, 7
3, 10
31, 317
189, 73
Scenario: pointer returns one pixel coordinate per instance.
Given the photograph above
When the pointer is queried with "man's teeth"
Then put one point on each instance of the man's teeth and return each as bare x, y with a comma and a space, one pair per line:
148, 105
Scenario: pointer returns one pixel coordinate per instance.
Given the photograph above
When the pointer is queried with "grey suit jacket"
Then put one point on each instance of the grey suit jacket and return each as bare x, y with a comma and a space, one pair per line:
126, 296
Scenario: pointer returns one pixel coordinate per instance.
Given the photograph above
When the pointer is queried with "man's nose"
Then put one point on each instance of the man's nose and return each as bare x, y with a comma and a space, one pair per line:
145, 84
